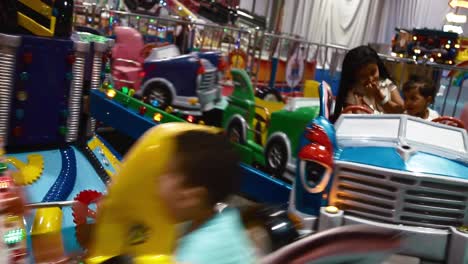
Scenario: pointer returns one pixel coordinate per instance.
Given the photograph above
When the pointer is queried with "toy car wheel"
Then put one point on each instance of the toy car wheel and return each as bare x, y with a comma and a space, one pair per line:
159, 92
276, 157
235, 132
272, 97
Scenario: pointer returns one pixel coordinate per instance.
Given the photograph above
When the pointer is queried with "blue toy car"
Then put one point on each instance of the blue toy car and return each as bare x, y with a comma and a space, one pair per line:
188, 81
390, 171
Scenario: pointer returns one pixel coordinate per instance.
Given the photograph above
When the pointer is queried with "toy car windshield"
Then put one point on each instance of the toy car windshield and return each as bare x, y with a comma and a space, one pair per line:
164, 52
297, 102
403, 130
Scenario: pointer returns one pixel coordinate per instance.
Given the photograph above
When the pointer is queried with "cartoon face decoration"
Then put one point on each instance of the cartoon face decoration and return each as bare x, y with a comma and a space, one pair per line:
138, 234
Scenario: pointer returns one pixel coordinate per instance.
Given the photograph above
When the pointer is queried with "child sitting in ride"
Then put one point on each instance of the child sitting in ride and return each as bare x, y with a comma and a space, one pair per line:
205, 172
419, 94
176, 173
365, 84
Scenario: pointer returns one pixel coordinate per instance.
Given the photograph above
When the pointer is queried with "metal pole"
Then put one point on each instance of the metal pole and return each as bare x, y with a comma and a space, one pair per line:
306, 57
458, 98
247, 51
253, 52
317, 50
403, 66
212, 39
294, 15
267, 13
50, 204
446, 95
259, 60
438, 77
273, 71
229, 41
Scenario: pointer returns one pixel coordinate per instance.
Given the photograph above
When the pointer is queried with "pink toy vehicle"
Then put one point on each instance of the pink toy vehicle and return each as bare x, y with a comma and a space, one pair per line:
127, 58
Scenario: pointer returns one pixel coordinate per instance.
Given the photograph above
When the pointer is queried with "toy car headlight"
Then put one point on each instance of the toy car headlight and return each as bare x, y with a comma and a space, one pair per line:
314, 176
315, 167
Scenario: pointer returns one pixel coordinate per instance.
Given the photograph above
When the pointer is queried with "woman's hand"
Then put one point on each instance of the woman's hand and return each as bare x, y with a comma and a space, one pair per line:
374, 89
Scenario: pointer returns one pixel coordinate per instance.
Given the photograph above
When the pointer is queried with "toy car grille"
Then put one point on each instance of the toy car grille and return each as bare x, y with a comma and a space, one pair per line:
208, 80
399, 197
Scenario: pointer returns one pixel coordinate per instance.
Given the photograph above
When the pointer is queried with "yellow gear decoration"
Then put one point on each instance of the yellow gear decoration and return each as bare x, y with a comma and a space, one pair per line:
28, 172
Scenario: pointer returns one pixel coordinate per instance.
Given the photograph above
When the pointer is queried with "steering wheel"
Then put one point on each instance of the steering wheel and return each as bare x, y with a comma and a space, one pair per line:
145, 52
448, 120
351, 109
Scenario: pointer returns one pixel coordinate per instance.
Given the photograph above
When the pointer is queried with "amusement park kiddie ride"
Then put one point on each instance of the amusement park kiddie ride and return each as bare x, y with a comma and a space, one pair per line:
45, 77
378, 171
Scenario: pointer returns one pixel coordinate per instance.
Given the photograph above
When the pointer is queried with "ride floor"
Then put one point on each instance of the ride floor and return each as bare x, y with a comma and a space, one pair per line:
57, 180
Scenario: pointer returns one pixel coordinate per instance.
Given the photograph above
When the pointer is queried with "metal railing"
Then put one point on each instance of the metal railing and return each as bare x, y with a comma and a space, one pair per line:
266, 56
50, 204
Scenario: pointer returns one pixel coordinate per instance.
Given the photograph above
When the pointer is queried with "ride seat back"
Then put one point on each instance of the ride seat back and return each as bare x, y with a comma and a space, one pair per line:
127, 57
128, 45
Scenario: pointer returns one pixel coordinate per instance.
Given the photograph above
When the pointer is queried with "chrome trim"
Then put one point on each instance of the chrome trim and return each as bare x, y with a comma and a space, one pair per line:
96, 71
10, 41
427, 243
101, 47
457, 252
183, 101
110, 42
329, 220
128, 61
75, 96
81, 46
399, 197
8, 46
123, 81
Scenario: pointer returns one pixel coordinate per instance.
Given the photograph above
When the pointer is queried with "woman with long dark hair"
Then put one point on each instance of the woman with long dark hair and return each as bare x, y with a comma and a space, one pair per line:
365, 82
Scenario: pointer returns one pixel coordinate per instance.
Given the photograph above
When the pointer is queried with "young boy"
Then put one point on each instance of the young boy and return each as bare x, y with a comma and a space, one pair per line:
419, 94
204, 173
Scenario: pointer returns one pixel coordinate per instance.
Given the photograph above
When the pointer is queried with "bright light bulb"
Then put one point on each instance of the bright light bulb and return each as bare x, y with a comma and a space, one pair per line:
111, 93
332, 209
157, 117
